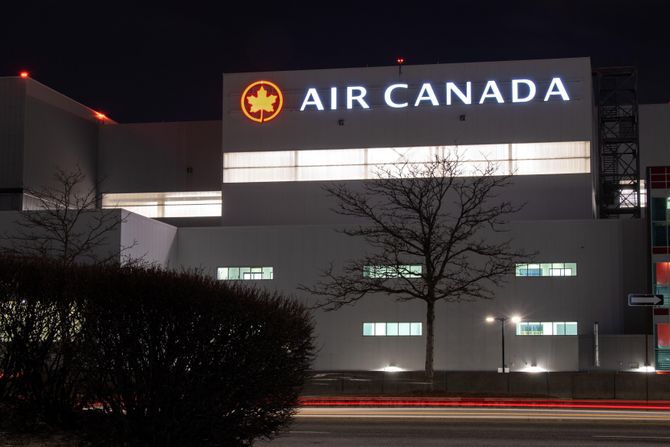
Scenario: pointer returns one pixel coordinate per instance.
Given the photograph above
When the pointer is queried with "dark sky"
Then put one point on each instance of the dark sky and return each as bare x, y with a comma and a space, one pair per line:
160, 63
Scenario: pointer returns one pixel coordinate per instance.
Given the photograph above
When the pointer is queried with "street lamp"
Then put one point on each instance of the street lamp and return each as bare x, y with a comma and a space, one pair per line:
515, 319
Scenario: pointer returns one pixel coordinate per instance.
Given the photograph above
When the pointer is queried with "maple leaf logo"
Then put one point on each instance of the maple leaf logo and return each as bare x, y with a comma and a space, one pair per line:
261, 101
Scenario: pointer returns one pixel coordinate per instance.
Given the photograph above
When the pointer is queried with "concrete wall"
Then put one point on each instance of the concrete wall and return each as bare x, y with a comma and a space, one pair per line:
606, 272
154, 157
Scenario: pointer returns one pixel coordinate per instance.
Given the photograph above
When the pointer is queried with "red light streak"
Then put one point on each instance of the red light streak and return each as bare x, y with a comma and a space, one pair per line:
472, 403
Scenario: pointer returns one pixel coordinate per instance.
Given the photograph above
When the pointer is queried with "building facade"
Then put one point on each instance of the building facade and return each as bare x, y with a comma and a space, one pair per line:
242, 199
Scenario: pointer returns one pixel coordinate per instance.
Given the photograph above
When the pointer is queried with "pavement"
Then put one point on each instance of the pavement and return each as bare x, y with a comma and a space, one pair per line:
482, 422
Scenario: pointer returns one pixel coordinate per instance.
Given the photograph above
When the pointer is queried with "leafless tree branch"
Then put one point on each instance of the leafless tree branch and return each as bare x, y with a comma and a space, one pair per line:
428, 214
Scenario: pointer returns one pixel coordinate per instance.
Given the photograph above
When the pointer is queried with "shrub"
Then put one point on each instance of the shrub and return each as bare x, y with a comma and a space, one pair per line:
40, 340
183, 360
172, 358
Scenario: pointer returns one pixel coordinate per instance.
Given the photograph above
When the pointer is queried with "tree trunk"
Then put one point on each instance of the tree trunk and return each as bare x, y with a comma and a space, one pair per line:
430, 319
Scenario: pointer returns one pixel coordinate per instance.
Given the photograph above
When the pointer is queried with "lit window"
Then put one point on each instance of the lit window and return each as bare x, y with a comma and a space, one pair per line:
368, 329
167, 204
392, 271
547, 269
244, 273
546, 328
392, 329
568, 157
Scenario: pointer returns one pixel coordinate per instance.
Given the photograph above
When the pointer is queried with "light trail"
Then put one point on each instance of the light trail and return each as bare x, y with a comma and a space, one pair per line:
484, 413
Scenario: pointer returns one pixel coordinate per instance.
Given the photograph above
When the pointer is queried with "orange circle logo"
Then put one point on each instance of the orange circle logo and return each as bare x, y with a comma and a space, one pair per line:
261, 101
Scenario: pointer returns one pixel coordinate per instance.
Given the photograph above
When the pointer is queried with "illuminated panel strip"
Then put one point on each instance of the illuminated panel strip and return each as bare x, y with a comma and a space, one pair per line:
167, 204
570, 157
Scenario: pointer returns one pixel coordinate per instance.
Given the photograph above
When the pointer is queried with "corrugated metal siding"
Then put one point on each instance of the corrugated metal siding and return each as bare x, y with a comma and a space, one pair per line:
12, 107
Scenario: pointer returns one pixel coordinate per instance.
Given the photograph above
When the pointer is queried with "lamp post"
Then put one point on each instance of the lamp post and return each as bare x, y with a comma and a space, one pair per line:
514, 319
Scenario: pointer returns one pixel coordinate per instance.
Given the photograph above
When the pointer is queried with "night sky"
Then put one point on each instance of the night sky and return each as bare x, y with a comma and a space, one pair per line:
161, 63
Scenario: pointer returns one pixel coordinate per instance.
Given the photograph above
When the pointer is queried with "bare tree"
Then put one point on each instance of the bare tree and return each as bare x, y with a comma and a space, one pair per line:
428, 214
64, 224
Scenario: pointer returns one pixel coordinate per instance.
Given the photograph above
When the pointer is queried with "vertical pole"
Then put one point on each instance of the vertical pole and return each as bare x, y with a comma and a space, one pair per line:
502, 338
596, 346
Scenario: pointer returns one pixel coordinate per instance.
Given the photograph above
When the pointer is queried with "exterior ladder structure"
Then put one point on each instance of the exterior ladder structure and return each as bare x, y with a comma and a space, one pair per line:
618, 142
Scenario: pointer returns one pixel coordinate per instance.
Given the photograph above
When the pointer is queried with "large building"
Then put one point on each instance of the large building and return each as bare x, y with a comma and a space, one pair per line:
242, 199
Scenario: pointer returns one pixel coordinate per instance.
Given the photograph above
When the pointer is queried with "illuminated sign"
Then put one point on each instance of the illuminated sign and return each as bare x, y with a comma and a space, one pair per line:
261, 101
399, 96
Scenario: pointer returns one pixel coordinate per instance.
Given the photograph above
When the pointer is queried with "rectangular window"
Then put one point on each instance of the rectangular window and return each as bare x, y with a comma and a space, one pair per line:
167, 204
244, 273
392, 271
368, 329
546, 328
392, 329
547, 269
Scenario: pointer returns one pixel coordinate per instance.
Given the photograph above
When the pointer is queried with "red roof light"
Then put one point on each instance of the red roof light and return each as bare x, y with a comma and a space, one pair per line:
24, 74
100, 116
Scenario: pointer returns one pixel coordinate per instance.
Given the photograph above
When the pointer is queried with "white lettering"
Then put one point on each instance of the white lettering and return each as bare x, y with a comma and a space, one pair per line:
333, 98
557, 84
515, 90
312, 99
491, 91
465, 98
388, 98
359, 98
426, 94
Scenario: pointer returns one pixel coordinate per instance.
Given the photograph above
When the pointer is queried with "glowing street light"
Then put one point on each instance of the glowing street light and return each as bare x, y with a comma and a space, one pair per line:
515, 319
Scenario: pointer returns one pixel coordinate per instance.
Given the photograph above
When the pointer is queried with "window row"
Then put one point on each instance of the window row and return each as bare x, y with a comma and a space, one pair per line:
167, 204
392, 329
568, 157
244, 273
392, 271
546, 328
399, 271
547, 269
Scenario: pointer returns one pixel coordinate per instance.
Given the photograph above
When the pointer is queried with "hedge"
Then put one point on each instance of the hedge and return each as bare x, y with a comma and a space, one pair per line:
164, 358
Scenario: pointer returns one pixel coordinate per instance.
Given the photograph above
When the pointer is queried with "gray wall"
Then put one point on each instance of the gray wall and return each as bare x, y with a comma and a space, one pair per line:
306, 203
607, 270
136, 238
154, 157
381, 126
10, 227
59, 134
654, 135
12, 107
148, 241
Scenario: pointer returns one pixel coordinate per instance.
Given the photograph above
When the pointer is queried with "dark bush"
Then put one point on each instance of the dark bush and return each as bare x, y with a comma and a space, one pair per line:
40, 341
173, 358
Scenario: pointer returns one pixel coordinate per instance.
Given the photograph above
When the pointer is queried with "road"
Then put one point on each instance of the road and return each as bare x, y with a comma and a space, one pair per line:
390, 427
